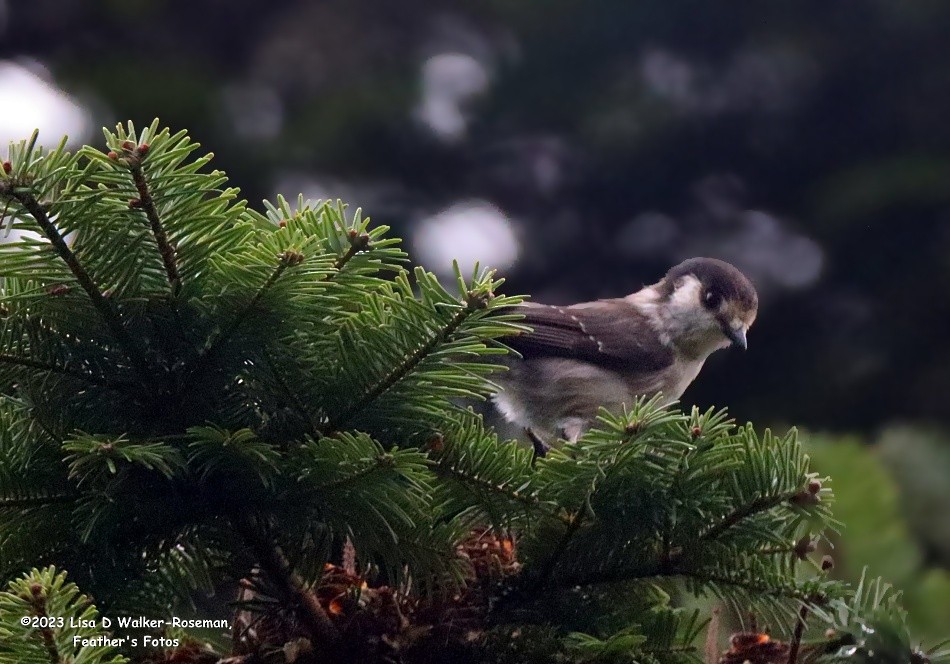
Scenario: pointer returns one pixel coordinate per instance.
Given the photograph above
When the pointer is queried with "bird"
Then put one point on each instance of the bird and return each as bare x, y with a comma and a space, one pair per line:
578, 358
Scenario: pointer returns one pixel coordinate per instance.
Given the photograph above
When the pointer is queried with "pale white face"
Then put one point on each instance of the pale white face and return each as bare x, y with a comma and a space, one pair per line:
696, 320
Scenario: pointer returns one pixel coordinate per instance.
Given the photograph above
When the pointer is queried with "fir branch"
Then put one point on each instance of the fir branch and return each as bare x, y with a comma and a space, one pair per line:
796, 642
292, 396
615, 575
382, 461
38, 606
788, 592
64, 619
37, 501
668, 569
6, 358
576, 521
286, 260
671, 650
760, 504
404, 368
775, 550
358, 243
530, 502
547, 570
147, 203
102, 305
238, 320
275, 564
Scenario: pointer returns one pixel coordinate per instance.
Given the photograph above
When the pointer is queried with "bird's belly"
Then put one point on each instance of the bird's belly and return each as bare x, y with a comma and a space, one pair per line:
544, 393
673, 381
548, 394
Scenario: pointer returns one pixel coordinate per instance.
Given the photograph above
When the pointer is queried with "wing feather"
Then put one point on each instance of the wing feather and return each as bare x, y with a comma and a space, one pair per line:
609, 333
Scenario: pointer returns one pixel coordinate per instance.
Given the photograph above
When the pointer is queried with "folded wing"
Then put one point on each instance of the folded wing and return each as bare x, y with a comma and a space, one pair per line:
609, 333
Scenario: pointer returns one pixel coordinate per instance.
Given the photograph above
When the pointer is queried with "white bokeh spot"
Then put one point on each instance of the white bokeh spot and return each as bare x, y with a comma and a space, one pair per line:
29, 101
448, 81
469, 232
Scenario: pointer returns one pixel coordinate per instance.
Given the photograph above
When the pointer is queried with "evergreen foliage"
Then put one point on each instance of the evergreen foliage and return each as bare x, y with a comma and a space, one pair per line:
195, 393
59, 617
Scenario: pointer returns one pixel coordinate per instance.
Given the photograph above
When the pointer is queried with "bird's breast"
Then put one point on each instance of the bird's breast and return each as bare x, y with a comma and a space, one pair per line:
671, 381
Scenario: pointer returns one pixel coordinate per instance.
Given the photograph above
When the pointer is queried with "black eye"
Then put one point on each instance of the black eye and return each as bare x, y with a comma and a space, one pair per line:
712, 299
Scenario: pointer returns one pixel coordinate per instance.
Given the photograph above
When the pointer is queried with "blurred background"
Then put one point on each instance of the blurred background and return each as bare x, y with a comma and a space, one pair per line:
583, 148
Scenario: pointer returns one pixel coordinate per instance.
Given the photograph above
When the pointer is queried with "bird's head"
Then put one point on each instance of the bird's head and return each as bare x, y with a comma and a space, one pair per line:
709, 304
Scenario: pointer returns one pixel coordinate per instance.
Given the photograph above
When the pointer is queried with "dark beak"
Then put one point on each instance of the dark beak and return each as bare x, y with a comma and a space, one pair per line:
736, 335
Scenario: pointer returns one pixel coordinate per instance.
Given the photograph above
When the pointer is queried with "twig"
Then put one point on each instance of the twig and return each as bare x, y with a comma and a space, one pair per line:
711, 646
761, 504
662, 569
6, 358
548, 569
376, 463
147, 203
287, 581
357, 244
762, 589
287, 259
402, 369
39, 610
797, 636
292, 396
37, 501
239, 319
102, 305
440, 467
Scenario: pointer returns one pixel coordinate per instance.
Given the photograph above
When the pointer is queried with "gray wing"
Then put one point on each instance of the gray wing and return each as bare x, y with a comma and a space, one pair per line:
609, 333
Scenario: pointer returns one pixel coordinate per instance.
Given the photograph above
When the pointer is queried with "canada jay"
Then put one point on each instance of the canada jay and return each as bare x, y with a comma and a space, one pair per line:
580, 357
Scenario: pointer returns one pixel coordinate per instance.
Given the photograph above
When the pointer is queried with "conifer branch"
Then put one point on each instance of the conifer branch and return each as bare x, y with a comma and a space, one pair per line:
292, 396
787, 592
672, 650
147, 203
102, 305
574, 524
287, 259
6, 358
36, 501
796, 642
38, 604
289, 584
760, 504
358, 243
472, 304
666, 570
530, 502
382, 461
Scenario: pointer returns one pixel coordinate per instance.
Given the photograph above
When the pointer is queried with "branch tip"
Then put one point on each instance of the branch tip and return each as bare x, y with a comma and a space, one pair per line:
146, 202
